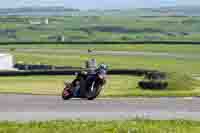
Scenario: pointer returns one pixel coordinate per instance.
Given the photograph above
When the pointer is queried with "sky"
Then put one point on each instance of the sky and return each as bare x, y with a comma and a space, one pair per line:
188, 2
97, 4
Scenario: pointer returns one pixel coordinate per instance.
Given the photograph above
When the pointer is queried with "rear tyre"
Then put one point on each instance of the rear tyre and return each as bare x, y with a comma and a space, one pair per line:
67, 93
66, 97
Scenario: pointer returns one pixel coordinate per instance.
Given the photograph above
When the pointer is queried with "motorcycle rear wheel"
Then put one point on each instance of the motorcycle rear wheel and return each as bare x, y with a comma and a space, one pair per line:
66, 96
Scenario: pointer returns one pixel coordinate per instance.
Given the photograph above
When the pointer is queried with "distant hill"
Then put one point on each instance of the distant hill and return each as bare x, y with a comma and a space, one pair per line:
162, 11
180, 10
36, 11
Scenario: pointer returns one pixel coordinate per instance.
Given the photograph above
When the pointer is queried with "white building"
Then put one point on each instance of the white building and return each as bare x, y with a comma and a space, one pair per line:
6, 62
39, 22
34, 22
46, 21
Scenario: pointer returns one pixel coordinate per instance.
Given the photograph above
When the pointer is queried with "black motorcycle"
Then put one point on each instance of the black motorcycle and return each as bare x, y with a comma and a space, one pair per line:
85, 86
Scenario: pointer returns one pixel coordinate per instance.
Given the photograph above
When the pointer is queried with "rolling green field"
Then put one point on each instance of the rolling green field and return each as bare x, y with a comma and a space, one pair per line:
129, 126
99, 28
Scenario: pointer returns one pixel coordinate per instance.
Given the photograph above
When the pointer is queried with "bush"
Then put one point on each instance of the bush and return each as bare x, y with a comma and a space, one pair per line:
12, 49
181, 81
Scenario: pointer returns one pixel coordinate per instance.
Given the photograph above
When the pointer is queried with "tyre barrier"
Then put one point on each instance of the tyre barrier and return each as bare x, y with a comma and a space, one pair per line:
32, 67
136, 72
42, 67
155, 75
154, 81
35, 73
153, 85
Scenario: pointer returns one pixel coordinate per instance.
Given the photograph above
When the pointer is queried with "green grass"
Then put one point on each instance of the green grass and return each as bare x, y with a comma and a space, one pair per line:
182, 49
188, 66
117, 86
53, 85
179, 73
179, 70
128, 126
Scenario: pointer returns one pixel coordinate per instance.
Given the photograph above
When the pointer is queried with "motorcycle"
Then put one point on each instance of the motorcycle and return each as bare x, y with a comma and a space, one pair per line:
87, 86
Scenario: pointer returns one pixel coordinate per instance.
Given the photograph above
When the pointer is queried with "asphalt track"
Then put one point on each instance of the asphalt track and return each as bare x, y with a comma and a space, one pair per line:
41, 108
113, 53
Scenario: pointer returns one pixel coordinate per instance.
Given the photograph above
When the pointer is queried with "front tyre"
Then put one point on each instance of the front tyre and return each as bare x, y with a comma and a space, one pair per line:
94, 91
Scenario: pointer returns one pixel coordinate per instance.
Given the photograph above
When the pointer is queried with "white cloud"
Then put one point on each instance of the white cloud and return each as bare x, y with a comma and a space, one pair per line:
22, 3
188, 2
98, 3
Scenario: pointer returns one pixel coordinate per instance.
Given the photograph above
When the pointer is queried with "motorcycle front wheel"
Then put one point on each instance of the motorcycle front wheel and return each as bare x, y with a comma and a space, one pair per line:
93, 91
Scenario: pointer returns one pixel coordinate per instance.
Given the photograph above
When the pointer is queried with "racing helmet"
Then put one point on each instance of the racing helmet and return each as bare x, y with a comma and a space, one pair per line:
102, 72
103, 66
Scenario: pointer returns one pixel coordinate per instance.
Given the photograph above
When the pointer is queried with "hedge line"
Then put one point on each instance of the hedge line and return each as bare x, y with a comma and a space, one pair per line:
106, 42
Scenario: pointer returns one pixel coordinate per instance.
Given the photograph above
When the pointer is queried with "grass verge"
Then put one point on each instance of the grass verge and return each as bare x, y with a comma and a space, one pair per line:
117, 86
129, 126
182, 49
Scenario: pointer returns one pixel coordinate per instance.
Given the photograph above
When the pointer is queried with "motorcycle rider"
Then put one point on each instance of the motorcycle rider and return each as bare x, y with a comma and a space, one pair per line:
79, 85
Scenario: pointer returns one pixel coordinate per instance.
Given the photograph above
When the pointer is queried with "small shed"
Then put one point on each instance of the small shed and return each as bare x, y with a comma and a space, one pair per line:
6, 62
